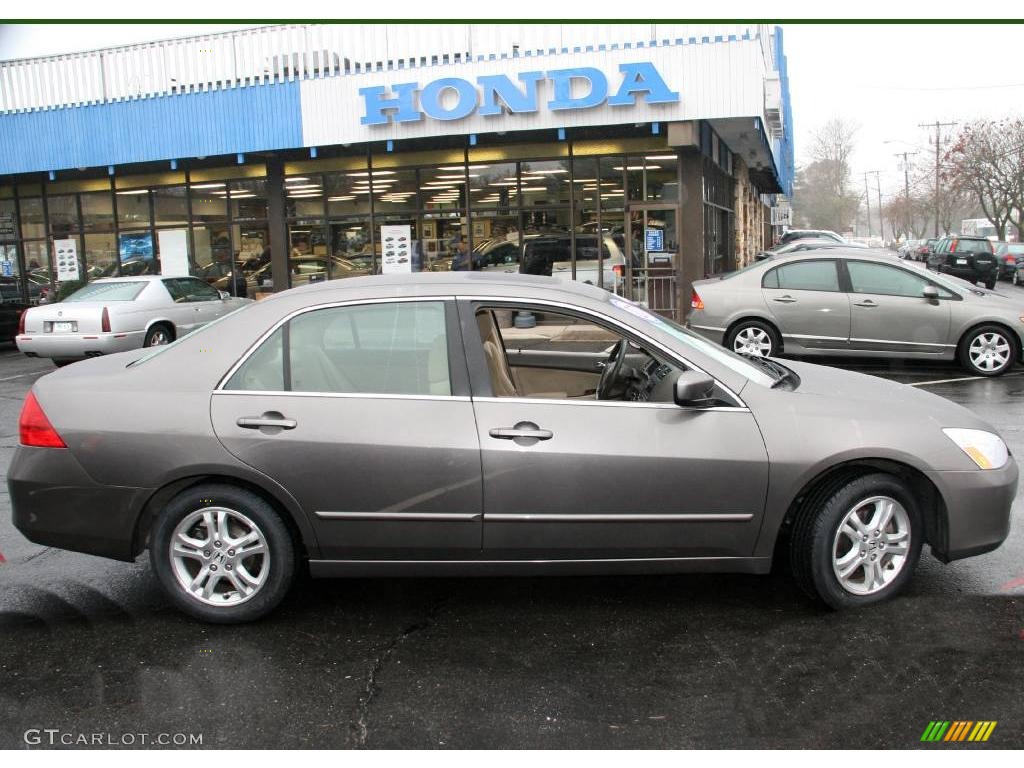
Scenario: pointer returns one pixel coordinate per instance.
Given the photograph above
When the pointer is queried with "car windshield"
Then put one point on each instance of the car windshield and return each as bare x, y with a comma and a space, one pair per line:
720, 355
108, 291
160, 349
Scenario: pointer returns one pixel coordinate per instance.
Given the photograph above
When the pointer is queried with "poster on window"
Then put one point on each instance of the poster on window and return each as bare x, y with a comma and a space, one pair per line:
173, 252
136, 251
396, 248
66, 257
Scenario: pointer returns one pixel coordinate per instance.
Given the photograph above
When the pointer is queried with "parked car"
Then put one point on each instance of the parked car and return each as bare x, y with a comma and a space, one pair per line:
1009, 255
923, 250
352, 427
115, 314
309, 269
803, 234
855, 303
969, 257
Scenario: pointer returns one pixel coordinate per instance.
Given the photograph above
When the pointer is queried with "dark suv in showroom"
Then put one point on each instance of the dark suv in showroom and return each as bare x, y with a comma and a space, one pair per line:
969, 257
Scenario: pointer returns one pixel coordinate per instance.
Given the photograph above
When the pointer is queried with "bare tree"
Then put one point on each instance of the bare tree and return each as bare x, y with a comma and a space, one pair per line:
824, 196
988, 159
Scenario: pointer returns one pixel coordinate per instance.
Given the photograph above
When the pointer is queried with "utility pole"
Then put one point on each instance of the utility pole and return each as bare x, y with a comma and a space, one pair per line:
867, 200
938, 145
878, 188
906, 189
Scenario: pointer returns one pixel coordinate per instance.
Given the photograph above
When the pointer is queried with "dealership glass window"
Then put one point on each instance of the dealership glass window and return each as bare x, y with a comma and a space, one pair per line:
610, 180
491, 185
395, 190
101, 255
305, 202
445, 241
308, 261
350, 248
348, 192
33, 225
37, 259
212, 245
248, 199
8, 221
443, 188
11, 285
497, 240
543, 182
392, 348
97, 211
209, 201
133, 208
63, 213
658, 181
170, 208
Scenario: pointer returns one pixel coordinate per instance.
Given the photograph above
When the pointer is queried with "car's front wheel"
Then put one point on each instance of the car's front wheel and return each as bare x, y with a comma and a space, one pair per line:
222, 554
754, 337
987, 351
857, 541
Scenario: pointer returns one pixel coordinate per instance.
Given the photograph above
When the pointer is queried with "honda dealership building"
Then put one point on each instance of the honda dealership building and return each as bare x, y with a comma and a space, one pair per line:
637, 157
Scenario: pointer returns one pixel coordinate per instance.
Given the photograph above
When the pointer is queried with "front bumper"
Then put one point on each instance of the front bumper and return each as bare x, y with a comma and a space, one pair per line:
73, 346
55, 503
977, 510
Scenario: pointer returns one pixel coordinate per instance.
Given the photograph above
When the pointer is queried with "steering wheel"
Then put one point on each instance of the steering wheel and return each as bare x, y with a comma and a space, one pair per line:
610, 388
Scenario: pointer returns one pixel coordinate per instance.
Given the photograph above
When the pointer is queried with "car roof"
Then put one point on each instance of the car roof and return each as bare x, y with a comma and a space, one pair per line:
841, 251
129, 279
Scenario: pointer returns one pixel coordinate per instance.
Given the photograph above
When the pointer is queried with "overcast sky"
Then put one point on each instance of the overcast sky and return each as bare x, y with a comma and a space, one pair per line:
886, 78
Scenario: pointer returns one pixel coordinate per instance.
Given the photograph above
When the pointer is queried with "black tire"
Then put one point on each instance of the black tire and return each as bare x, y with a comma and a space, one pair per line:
990, 284
158, 335
753, 327
815, 533
280, 548
968, 361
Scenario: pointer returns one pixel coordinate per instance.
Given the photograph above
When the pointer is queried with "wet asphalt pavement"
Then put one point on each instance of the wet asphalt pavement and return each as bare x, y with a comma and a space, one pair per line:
90, 646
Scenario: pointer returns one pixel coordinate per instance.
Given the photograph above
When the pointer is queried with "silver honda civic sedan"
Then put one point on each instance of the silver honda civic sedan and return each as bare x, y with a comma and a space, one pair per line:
846, 302
464, 423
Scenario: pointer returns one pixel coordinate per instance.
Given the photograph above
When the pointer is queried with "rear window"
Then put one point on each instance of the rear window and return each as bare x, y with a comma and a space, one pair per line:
964, 245
108, 292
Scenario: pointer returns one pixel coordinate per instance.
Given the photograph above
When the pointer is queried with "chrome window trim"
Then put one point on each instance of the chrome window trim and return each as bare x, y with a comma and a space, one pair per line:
672, 354
606, 404
343, 395
312, 308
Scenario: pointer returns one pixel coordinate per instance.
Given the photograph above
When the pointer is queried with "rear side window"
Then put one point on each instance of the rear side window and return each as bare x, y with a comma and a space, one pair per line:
108, 292
392, 348
804, 276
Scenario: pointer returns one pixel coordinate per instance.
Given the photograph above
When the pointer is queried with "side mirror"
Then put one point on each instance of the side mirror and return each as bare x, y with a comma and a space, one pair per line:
224, 295
931, 293
693, 389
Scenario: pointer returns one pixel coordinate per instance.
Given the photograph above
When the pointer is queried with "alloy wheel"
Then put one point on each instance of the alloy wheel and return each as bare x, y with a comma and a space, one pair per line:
871, 545
752, 341
159, 337
989, 351
219, 556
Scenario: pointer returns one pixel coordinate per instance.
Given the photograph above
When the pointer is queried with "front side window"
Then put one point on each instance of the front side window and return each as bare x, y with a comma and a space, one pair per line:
398, 348
884, 280
804, 276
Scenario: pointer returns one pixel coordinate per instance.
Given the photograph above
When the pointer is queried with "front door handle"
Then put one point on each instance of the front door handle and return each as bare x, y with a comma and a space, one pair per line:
787, 299
524, 430
866, 303
269, 419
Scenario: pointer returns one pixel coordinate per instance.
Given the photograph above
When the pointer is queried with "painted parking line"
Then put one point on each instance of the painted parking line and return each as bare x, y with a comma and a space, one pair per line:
23, 375
964, 378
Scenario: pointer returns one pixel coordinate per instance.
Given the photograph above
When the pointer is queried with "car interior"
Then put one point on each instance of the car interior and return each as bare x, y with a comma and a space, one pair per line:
564, 357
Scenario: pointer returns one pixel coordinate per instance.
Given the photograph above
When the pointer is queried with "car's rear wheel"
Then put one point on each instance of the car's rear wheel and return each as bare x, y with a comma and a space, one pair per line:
754, 337
857, 541
987, 351
222, 554
158, 335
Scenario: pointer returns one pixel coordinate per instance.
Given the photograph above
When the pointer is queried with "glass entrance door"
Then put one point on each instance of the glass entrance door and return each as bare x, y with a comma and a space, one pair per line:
653, 259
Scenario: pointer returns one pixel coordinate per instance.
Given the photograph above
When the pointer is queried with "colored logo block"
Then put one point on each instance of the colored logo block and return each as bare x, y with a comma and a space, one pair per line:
959, 730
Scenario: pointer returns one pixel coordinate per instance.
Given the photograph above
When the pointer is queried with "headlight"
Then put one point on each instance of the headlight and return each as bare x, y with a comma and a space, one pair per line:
986, 450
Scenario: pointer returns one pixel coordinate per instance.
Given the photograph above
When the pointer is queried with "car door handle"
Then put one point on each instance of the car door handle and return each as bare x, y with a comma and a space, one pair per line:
784, 299
521, 430
866, 303
266, 420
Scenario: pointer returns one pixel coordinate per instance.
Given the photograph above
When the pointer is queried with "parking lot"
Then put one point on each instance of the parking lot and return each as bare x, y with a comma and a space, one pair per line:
91, 645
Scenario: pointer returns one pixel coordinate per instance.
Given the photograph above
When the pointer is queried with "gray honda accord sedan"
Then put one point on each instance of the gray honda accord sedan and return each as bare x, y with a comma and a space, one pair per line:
492, 424
850, 302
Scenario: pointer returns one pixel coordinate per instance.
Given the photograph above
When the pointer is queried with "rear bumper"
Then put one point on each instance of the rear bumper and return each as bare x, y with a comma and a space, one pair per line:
56, 504
977, 510
75, 345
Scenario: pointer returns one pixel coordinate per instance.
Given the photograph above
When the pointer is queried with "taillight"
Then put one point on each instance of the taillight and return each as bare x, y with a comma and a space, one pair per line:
105, 321
952, 246
21, 321
35, 429
696, 302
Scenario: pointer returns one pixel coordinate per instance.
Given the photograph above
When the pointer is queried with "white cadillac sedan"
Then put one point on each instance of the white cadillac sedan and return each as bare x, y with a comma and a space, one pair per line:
121, 313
